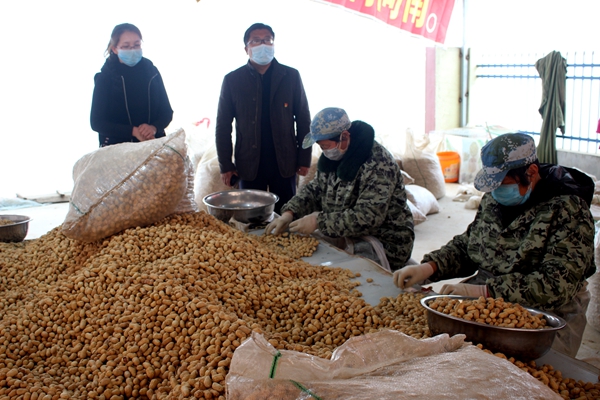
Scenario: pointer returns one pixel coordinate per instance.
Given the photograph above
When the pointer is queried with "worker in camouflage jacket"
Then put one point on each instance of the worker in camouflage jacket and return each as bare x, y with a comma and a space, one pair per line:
532, 240
357, 195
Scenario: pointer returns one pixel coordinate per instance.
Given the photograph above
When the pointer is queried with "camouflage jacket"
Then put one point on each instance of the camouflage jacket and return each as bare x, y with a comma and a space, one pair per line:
362, 194
541, 257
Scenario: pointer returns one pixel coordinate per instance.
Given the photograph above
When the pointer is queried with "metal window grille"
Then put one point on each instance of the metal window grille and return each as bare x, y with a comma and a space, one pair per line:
507, 90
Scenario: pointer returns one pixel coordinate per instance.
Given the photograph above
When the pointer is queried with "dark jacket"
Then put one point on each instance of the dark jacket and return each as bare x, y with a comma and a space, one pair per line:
360, 195
125, 97
539, 253
241, 99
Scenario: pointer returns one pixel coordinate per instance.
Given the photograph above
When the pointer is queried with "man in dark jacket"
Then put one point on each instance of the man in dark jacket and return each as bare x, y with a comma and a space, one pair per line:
269, 105
532, 240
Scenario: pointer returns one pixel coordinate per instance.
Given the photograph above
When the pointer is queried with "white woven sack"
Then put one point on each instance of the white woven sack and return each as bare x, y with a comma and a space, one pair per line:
423, 165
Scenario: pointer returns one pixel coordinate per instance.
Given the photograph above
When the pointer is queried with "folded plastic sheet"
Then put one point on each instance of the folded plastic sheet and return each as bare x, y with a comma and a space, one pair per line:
382, 365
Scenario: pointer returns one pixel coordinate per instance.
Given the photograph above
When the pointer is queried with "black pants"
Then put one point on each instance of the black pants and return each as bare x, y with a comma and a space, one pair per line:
269, 179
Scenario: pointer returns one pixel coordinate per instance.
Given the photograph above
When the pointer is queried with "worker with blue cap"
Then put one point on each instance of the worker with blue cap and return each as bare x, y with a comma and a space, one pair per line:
531, 242
357, 197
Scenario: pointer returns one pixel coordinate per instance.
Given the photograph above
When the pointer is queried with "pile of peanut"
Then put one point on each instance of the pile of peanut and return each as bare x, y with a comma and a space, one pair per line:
489, 311
6, 222
158, 312
291, 245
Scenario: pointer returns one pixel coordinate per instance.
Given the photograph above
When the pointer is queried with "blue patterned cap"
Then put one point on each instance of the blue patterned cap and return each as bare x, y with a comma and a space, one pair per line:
500, 155
327, 124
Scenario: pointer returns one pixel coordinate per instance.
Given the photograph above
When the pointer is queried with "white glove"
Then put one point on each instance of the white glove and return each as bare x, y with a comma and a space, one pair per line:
279, 225
412, 274
305, 225
465, 289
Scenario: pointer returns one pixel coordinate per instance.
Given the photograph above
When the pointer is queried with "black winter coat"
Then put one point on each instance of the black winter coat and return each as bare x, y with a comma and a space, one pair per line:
241, 99
125, 97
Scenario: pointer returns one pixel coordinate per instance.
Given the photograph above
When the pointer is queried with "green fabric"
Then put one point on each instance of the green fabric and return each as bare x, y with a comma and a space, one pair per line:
553, 71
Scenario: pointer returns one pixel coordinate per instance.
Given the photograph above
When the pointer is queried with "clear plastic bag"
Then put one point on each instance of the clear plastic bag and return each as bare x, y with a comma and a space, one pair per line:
127, 185
383, 365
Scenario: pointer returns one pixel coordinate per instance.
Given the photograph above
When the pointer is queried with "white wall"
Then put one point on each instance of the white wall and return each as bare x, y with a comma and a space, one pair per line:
52, 49
540, 25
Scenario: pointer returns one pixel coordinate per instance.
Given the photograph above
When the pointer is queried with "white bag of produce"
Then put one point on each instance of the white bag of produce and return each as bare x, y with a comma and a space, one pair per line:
129, 185
383, 365
422, 163
593, 310
208, 177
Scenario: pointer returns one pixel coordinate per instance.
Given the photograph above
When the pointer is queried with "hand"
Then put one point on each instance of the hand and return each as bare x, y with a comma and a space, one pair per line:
226, 177
147, 131
465, 289
412, 274
305, 225
302, 171
279, 225
136, 133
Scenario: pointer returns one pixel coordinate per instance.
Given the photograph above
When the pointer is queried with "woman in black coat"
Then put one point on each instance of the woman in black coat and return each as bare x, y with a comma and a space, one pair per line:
130, 103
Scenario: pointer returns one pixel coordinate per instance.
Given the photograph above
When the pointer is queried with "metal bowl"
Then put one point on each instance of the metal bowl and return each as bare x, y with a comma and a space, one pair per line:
245, 205
523, 344
16, 231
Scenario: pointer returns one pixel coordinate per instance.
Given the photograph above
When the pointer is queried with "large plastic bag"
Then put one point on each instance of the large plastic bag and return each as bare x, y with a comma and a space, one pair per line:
422, 163
593, 311
383, 365
423, 199
208, 177
128, 185
312, 171
188, 202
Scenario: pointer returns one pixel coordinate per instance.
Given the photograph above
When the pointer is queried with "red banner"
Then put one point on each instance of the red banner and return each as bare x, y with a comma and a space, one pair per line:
426, 18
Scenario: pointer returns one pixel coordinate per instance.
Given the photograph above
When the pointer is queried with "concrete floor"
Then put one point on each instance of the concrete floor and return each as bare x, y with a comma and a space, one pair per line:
439, 228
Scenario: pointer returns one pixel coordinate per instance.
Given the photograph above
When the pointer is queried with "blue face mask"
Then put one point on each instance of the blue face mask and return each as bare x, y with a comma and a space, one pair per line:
263, 54
509, 195
130, 57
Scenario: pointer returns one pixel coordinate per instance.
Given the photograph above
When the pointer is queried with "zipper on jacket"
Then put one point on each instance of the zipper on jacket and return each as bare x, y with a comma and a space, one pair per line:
126, 104
257, 129
149, 104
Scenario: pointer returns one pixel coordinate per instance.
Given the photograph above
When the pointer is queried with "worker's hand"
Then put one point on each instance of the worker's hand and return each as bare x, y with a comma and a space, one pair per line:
226, 178
279, 225
305, 225
412, 274
465, 289
302, 171
147, 131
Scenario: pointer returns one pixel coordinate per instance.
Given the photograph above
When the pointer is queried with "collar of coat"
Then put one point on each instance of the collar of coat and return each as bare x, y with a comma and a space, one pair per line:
274, 65
362, 137
113, 65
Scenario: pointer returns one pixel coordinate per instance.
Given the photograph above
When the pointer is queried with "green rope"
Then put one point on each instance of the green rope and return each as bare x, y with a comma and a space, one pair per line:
170, 147
305, 390
274, 364
276, 358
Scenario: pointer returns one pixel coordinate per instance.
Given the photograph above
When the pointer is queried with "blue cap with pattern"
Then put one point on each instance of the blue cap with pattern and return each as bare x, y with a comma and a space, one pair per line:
327, 124
500, 155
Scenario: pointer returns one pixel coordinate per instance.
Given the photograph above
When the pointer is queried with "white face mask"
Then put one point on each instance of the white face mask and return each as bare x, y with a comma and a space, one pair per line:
336, 153
262, 54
